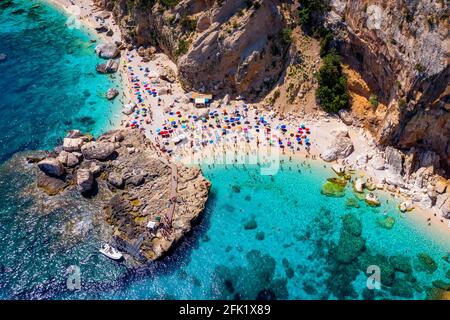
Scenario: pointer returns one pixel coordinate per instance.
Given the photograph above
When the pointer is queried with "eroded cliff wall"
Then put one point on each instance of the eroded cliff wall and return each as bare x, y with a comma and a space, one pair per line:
401, 48
227, 47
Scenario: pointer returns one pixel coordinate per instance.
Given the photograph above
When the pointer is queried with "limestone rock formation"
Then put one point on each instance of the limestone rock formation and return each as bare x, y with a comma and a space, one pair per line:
85, 180
68, 159
110, 66
98, 150
112, 93
51, 167
135, 189
107, 50
219, 46
341, 146
401, 50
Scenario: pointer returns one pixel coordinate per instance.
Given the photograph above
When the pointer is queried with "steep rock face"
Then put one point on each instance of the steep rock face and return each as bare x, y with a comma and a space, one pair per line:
401, 49
235, 53
223, 47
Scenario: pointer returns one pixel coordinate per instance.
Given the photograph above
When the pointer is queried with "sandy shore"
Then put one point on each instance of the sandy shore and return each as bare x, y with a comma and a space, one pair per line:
155, 112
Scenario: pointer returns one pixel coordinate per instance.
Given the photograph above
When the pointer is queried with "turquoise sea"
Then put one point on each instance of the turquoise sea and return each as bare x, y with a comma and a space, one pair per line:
264, 237
48, 81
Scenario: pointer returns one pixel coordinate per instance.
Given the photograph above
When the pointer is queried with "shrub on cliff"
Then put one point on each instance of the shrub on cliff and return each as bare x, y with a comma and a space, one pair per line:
309, 13
332, 92
169, 3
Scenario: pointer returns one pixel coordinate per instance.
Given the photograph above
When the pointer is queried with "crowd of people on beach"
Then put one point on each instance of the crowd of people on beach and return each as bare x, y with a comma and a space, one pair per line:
176, 125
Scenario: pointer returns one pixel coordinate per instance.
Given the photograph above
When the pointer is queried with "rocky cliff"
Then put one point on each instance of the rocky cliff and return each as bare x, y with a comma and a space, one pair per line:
398, 48
231, 46
124, 174
401, 50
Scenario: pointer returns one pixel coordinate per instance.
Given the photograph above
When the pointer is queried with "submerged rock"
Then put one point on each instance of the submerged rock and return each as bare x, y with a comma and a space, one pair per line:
386, 222
352, 203
441, 284
402, 288
349, 247
3, 57
352, 225
401, 263
427, 262
260, 235
250, 224
386, 268
333, 189
372, 200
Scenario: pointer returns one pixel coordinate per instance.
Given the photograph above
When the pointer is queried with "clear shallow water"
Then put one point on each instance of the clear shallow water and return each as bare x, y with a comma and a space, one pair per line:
294, 260
291, 254
48, 82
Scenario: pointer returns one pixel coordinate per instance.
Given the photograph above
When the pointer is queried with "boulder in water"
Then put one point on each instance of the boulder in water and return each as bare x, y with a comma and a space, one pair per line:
387, 222
68, 159
372, 200
111, 93
333, 189
406, 206
52, 167
3, 57
107, 50
359, 185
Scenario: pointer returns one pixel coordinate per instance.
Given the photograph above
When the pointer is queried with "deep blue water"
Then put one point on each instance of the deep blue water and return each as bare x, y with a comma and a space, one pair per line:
48, 84
259, 237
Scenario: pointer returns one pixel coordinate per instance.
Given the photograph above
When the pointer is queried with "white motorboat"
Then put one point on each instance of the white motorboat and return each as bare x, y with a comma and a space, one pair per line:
110, 252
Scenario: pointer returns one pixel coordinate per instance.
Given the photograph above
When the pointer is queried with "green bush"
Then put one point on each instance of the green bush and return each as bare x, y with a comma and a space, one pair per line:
286, 36
325, 43
169, 3
309, 11
332, 92
374, 100
188, 23
183, 47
